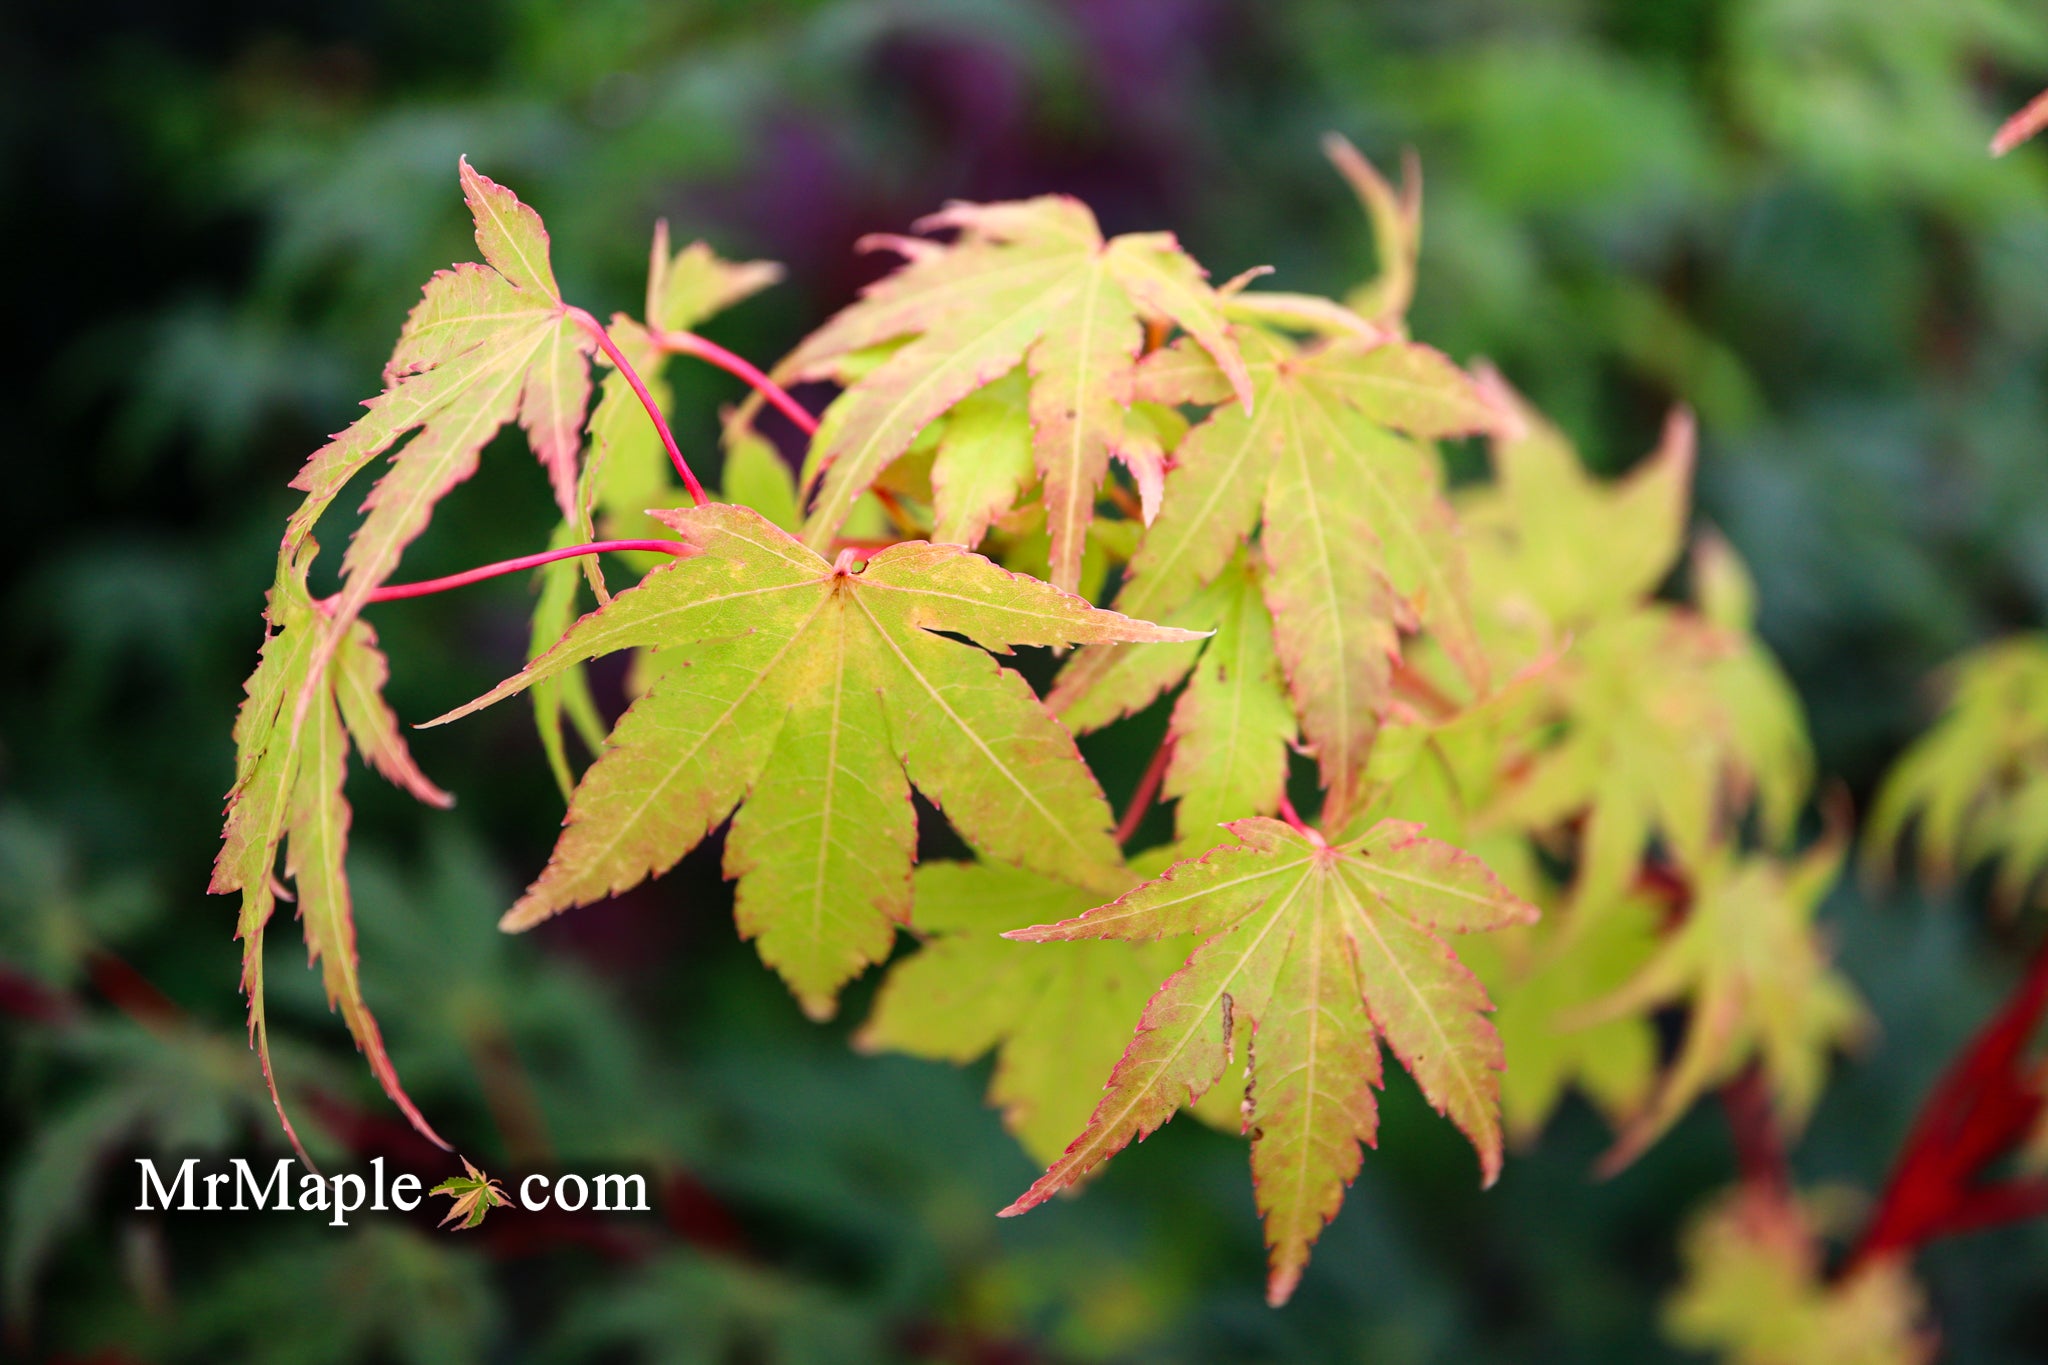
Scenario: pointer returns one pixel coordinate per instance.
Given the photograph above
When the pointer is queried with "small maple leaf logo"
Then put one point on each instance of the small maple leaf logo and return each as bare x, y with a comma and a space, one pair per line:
475, 1195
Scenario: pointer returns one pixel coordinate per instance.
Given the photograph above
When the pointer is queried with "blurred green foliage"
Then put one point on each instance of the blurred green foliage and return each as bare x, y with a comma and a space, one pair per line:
1778, 211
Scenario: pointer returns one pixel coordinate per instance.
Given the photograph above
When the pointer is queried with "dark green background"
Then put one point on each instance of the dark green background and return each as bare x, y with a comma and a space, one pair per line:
215, 218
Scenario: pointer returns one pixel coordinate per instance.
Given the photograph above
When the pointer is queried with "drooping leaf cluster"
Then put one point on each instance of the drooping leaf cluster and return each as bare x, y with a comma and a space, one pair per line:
1229, 504
1974, 789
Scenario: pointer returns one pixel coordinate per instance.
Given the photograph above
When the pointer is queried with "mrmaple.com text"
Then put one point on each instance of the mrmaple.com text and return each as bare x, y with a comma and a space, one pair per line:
238, 1190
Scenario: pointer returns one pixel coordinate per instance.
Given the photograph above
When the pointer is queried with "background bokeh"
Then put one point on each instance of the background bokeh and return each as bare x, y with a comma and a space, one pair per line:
215, 217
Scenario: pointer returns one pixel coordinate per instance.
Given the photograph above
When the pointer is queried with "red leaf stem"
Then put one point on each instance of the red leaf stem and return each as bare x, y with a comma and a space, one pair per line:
2021, 126
1148, 787
689, 343
392, 592
1297, 824
1759, 1146
625, 367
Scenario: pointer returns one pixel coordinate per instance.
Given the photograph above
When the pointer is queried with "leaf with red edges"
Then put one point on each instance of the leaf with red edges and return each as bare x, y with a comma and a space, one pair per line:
809, 695
1031, 283
1311, 953
288, 796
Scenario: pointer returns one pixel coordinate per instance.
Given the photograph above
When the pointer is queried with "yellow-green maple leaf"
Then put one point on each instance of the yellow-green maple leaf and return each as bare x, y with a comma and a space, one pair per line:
1311, 953
1669, 726
472, 1195
1355, 535
486, 345
1975, 787
811, 694
1029, 283
1757, 1292
1554, 549
1057, 1020
288, 793
1754, 974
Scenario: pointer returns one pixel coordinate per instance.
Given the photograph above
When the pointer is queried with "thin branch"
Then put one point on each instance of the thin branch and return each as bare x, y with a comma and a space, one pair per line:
689, 343
392, 592
1759, 1146
1148, 788
625, 367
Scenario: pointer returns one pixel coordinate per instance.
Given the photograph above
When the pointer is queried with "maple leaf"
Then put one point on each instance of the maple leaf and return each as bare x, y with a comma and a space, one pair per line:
486, 345
1356, 537
1057, 1020
1553, 549
1312, 952
811, 695
473, 1194
1232, 726
1751, 967
1757, 1289
1668, 725
1975, 787
1029, 283
1541, 977
288, 793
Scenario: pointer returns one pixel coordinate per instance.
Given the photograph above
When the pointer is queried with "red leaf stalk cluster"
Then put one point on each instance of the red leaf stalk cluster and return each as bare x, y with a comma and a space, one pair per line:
1982, 1110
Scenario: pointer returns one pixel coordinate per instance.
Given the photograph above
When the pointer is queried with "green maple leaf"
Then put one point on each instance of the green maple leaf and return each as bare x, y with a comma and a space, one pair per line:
1311, 953
1057, 1020
1753, 971
1030, 283
1975, 787
1356, 537
474, 1195
1232, 725
288, 793
811, 694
